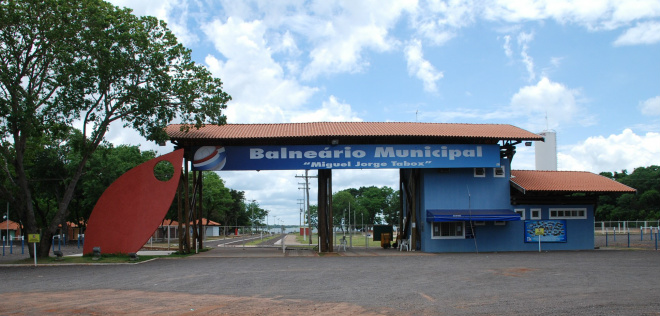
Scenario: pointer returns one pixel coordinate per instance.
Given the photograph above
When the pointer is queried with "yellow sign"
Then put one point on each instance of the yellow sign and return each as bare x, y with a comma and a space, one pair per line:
34, 237
539, 231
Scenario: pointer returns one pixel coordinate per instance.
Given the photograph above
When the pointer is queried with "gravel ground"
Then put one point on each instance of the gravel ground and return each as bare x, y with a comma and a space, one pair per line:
597, 282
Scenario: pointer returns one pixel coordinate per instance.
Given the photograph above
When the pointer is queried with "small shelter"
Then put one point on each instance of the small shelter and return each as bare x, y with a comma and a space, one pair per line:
10, 228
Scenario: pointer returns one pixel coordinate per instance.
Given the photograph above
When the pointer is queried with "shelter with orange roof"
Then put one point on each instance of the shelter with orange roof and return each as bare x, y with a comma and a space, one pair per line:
458, 192
10, 228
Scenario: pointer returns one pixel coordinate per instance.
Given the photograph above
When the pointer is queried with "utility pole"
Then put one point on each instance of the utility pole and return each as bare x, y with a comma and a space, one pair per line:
309, 217
301, 202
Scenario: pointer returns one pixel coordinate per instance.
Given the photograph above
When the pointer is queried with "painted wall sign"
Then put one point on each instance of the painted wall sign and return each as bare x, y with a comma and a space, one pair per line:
299, 157
550, 231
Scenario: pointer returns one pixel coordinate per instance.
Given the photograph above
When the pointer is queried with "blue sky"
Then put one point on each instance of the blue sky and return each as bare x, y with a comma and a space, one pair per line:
590, 70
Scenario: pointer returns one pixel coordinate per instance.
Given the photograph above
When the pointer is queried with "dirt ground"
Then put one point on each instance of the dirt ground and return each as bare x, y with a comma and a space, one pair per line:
115, 302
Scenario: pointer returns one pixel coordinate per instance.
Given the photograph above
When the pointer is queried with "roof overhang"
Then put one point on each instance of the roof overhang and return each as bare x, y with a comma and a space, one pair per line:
455, 215
564, 182
320, 133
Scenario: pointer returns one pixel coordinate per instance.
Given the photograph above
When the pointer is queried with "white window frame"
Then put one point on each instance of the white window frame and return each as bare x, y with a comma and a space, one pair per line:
462, 228
482, 175
521, 212
567, 213
531, 213
499, 175
479, 223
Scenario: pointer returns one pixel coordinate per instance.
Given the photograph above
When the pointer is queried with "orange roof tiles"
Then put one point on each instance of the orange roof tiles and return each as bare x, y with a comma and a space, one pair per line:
565, 181
205, 222
299, 130
12, 225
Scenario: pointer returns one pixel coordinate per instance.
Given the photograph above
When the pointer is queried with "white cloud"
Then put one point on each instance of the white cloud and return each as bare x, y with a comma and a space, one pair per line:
593, 14
162, 10
343, 32
553, 99
330, 111
420, 67
523, 41
643, 33
437, 21
258, 84
529, 107
507, 46
614, 153
651, 106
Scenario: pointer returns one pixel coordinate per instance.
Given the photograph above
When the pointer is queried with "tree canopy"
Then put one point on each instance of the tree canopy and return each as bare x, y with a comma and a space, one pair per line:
90, 64
644, 205
368, 205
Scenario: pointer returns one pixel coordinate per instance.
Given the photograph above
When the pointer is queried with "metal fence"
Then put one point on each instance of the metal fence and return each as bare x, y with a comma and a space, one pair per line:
625, 226
627, 234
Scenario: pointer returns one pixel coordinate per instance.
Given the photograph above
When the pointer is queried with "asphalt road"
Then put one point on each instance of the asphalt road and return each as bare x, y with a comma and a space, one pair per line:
600, 282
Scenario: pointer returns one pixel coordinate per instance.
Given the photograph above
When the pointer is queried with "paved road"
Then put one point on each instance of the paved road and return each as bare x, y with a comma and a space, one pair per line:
600, 282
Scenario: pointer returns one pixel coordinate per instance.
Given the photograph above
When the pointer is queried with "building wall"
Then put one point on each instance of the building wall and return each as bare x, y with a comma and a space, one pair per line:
460, 189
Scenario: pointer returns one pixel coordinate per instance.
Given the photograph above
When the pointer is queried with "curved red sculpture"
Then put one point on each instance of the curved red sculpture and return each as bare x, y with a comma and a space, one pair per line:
132, 207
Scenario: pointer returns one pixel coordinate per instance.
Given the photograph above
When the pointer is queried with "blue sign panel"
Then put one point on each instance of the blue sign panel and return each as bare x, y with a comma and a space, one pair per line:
345, 157
550, 231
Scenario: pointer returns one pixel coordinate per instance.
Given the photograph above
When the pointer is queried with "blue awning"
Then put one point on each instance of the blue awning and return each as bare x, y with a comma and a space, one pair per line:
471, 215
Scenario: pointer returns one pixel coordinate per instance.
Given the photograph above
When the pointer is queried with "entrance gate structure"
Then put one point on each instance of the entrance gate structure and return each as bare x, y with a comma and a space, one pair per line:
324, 146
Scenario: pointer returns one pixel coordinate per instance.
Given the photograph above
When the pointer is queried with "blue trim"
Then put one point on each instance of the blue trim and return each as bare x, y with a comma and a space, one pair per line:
471, 215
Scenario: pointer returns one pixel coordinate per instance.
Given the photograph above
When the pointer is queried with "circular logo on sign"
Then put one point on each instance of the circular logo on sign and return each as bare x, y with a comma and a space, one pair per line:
209, 158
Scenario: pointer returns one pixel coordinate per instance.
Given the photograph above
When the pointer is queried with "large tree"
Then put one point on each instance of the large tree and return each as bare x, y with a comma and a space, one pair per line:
91, 64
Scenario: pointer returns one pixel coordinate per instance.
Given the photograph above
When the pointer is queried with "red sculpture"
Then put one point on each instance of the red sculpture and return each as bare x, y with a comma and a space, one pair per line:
132, 207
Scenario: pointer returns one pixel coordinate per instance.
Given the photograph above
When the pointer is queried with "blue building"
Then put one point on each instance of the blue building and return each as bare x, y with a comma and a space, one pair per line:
495, 209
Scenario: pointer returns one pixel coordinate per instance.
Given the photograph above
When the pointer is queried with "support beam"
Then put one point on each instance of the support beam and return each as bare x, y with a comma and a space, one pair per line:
180, 212
186, 205
200, 213
325, 210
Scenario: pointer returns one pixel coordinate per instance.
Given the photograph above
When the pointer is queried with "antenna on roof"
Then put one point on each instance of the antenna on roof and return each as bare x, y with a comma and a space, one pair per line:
416, 112
546, 121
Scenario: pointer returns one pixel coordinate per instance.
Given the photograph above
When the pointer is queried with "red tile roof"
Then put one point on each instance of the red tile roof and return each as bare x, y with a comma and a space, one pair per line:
565, 181
352, 129
12, 225
205, 222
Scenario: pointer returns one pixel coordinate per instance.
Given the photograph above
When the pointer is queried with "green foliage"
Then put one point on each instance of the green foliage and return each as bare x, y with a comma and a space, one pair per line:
644, 205
93, 64
216, 200
369, 204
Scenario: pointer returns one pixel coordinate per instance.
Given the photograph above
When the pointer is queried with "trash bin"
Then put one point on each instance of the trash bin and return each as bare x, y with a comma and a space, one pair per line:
385, 240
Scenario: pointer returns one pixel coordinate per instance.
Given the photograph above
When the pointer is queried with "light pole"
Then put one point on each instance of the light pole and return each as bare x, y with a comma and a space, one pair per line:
252, 207
7, 219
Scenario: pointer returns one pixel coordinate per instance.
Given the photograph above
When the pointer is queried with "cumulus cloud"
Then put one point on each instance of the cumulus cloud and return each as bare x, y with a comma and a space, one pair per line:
651, 106
258, 84
343, 32
594, 14
162, 10
420, 67
613, 153
331, 111
547, 104
558, 102
643, 33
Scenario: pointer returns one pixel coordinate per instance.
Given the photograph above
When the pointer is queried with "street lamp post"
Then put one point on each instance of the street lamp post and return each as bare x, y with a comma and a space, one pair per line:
7, 219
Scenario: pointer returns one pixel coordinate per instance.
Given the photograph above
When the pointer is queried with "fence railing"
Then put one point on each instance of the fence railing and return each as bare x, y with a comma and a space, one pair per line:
622, 227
